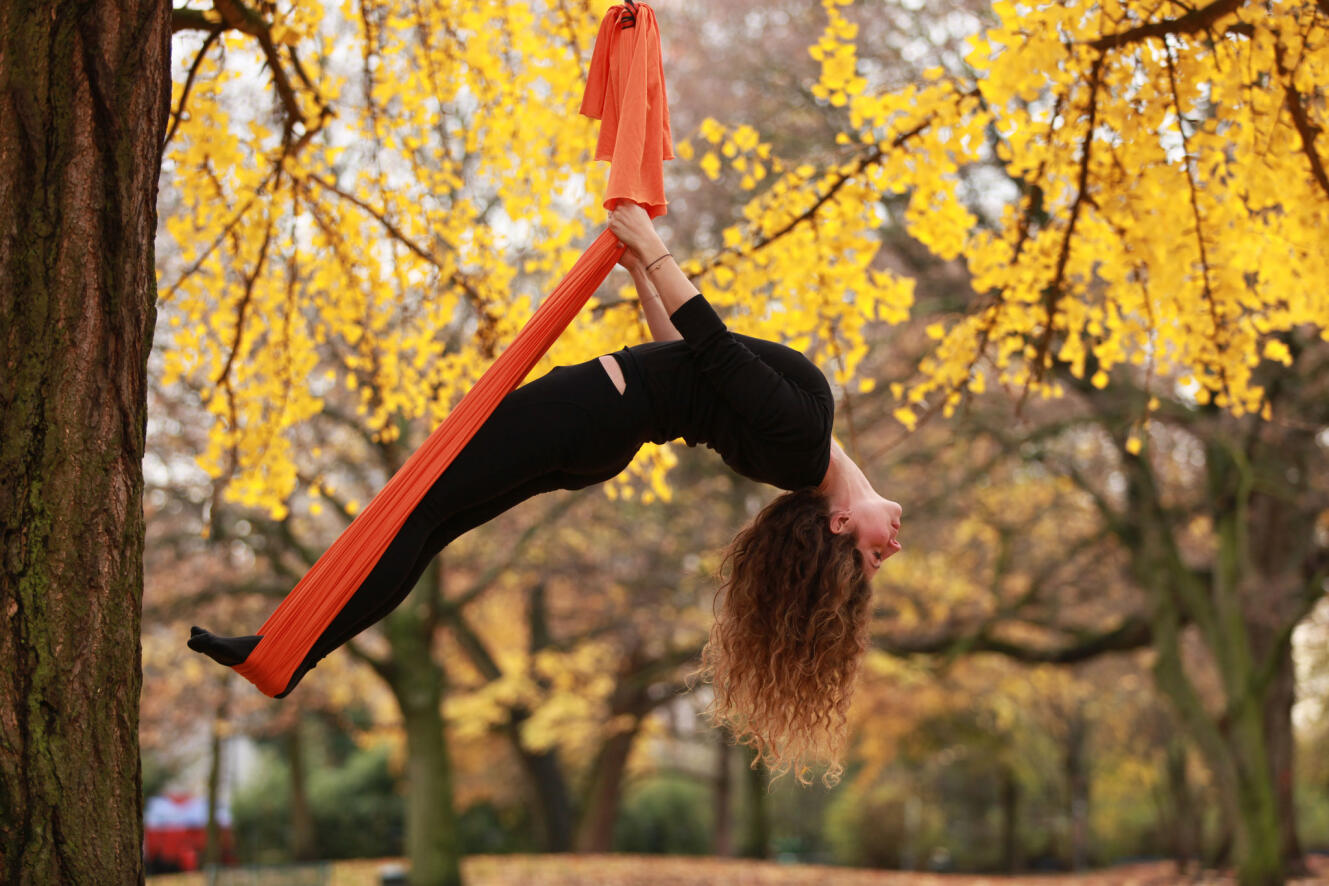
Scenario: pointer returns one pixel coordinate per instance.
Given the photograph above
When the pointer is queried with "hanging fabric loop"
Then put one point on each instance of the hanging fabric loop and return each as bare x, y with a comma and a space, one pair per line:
625, 90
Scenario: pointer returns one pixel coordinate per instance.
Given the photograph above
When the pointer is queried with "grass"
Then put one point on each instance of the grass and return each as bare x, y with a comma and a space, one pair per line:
641, 870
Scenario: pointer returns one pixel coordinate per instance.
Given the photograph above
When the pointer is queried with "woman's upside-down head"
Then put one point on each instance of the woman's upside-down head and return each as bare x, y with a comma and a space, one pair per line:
789, 635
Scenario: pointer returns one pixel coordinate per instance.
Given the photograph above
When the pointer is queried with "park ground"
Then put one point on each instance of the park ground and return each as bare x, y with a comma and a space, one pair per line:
637, 870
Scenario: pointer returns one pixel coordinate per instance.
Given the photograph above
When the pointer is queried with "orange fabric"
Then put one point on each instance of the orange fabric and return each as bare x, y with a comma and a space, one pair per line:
626, 90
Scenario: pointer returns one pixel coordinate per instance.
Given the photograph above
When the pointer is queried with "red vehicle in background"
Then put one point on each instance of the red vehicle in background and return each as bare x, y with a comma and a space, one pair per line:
175, 833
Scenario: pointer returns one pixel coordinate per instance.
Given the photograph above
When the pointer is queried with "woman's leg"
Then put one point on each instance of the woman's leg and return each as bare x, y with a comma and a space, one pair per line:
397, 571
566, 430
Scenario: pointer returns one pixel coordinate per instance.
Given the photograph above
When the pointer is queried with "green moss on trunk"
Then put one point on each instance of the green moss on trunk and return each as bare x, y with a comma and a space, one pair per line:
81, 121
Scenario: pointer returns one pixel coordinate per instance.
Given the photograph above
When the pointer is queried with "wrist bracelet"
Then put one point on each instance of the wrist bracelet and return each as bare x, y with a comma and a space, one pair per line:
657, 261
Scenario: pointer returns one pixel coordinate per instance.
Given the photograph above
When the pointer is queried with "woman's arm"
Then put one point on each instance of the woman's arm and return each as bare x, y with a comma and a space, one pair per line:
657, 318
633, 227
767, 400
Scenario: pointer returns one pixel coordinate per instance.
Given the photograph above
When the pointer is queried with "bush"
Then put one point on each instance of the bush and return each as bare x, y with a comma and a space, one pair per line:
356, 808
666, 815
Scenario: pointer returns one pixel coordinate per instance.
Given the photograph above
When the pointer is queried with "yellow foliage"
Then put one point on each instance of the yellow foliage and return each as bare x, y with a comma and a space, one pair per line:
1163, 205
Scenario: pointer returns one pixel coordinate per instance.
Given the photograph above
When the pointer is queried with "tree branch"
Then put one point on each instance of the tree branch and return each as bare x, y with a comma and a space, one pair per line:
1305, 128
236, 16
1196, 20
873, 156
380, 666
515, 551
1134, 632
1052, 294
189, 83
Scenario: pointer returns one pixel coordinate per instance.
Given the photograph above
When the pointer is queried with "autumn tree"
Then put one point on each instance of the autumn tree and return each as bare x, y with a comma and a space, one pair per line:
1160, 205
1126, 188
371, 230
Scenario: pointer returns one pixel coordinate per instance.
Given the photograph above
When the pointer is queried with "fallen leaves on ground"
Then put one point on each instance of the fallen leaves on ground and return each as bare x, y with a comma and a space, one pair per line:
650, 870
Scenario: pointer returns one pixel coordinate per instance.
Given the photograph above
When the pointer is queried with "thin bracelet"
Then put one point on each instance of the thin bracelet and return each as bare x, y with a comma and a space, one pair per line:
657, 261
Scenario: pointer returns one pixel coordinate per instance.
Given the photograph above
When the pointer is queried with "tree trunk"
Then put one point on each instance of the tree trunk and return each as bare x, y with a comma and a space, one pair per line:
419, 685
1182, 827
724, 789
1278, 725
757, 835
303, 845
553, 801
1077, 787
596, 833
82, 114
1242, 614
212, 849
1011, 859
544, 768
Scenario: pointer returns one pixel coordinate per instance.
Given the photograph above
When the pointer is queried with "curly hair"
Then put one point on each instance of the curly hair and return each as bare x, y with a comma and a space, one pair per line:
788, 636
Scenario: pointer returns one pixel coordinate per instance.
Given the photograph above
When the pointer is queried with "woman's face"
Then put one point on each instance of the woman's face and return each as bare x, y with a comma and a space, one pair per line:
876, 524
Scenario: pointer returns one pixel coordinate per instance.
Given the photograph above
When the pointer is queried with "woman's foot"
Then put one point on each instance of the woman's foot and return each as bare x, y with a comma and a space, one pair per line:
229, 651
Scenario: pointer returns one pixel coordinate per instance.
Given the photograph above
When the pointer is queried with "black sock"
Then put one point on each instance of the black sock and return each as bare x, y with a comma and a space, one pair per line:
229, 651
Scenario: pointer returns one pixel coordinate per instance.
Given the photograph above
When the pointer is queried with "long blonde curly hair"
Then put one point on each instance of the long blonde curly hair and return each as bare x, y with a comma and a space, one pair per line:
788, 637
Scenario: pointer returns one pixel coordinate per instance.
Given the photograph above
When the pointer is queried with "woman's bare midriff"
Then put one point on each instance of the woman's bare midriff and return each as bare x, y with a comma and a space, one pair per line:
615, 372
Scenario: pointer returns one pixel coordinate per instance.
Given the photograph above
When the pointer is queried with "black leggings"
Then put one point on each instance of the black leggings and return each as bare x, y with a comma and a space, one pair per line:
566, 430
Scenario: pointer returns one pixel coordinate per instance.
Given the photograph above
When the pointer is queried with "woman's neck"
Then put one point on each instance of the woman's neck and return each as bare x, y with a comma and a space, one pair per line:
844, 483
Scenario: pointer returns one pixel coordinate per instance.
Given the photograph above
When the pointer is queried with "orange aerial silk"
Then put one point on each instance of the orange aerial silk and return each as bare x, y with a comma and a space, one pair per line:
625, 90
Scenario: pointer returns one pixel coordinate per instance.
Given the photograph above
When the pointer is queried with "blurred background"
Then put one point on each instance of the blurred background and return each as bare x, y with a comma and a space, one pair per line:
1059, 677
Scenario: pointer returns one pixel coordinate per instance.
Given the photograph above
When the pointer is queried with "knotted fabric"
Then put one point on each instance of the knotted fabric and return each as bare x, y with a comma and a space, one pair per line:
626, 91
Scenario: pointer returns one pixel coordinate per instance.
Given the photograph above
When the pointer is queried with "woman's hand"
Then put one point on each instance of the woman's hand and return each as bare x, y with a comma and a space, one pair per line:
632, 226
631, 263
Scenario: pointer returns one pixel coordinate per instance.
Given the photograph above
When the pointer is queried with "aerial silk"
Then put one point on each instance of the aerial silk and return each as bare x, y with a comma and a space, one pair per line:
625, 90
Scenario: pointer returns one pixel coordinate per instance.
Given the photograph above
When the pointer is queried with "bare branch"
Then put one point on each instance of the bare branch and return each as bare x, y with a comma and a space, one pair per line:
384, 667
457, 278
1214, 319
1132, 633
515, 552
189, 83
236, 16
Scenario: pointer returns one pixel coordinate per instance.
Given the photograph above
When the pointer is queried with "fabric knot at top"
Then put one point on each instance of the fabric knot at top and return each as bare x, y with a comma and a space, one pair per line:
625, 91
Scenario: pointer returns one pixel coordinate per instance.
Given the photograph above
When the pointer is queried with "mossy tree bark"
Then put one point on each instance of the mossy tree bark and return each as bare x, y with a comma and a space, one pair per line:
84, 97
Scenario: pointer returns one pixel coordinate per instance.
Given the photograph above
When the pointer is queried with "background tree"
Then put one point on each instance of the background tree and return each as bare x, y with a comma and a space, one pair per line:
1037, 167
82, 113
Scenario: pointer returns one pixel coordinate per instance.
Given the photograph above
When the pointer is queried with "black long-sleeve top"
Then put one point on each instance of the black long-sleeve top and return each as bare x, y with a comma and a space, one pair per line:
765, 408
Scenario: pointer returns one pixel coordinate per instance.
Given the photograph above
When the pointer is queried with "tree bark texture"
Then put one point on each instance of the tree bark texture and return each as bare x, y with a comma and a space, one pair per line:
84, 98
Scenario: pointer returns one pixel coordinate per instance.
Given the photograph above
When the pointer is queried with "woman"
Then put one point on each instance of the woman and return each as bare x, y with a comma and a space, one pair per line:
785, 647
